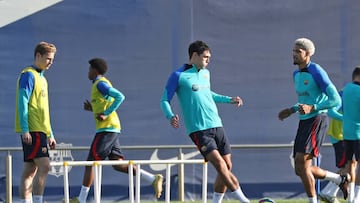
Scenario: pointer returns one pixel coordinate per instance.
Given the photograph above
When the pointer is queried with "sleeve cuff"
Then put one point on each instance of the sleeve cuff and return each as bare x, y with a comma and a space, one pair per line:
295, 108
315, 107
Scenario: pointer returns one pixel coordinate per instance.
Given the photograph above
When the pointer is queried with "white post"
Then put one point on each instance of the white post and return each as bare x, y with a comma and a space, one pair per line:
167, 189
181, 178
9, 178
98, 168
204, 184
96, 182
137, 183
100, 177
66, 182
131, 181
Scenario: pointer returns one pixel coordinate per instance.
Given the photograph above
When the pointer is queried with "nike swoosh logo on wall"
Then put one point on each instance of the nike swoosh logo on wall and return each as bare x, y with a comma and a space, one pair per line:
161, 167
13, 10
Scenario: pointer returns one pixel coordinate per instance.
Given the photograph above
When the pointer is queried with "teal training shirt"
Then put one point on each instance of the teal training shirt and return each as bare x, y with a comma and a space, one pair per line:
314, 87
197, 101
351, 111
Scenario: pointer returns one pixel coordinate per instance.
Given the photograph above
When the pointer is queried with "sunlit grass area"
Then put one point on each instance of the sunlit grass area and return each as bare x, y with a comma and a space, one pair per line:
253, 201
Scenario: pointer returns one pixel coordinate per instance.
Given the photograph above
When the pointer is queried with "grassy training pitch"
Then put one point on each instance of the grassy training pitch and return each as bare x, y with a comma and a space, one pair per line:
255, 201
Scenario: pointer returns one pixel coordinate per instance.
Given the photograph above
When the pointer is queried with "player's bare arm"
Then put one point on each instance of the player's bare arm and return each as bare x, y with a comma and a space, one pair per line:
87, 105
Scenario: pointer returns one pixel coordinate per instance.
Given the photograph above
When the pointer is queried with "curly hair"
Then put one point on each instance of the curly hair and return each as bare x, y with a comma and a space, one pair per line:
99, 64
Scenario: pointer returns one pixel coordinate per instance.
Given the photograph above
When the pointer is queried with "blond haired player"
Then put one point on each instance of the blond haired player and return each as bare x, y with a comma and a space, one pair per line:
32, 121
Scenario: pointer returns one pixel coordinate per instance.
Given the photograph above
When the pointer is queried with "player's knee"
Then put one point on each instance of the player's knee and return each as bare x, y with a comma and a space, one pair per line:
229, 166
116, 167
220, 166
121, 168
44, 169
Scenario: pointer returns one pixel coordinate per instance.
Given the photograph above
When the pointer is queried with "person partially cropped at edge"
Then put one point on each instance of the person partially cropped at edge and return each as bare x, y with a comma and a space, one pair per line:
316, 94
32, 121
351, 132
105, 100
191, 83
335, 133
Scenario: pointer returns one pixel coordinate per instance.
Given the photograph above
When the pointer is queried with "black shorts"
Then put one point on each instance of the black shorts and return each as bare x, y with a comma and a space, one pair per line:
105, 144
211, 139
310, 135
340, 154
37, 149
352, 148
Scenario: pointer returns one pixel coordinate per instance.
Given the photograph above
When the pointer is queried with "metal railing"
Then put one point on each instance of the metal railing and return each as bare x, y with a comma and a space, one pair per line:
179, 147
98, 175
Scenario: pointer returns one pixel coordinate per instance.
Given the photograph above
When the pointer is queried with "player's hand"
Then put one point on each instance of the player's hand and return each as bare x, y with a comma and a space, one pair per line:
237, 101
87, 106
52, 143
174, 121
285, 113
305, 108
101, 116
26, 138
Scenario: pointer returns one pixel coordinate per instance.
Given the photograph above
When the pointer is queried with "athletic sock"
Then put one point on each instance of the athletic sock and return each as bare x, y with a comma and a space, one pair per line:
313, 199
25, 201
83, 194
334, 177
238, 194
38, 198
147, 176
217, 197
351, 191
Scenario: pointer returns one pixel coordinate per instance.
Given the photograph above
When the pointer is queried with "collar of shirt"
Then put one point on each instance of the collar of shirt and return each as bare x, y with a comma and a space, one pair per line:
97, 78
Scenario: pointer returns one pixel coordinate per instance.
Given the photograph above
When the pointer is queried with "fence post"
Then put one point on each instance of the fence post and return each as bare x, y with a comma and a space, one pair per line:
317, 183
131, 181
8, 178
181, 180
66, 182
204, 183
97, 182
168, 183
137, 183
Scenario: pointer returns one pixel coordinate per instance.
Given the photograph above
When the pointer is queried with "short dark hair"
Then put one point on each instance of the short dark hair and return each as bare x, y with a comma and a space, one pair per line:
99, 64
199, 47
356, 72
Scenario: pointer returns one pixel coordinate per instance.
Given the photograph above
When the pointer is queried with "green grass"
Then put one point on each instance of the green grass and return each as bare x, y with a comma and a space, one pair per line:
252, 201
